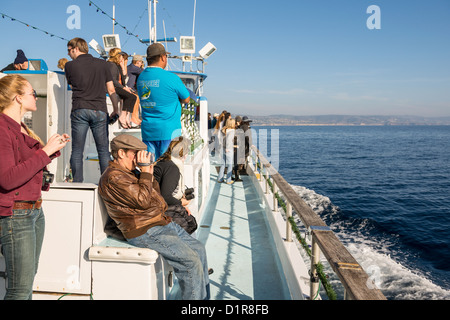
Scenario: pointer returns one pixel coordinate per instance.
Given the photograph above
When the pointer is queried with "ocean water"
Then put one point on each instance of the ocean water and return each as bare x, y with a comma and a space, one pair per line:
384, 191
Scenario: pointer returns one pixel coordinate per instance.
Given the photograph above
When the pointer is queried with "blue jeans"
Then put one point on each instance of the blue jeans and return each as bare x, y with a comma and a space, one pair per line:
157, 147
81, 121
21, 236
184, 253
227, 160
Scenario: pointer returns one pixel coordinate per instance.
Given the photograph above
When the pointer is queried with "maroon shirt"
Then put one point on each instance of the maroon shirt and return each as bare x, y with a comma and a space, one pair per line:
22, 161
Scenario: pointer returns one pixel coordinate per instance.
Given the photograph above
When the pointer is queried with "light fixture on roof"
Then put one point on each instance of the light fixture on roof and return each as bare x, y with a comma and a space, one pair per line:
187, 44
94, 44
111, 41
207, 50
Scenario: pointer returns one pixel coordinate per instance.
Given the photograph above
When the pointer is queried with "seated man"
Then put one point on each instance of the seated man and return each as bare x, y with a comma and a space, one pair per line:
20, 63
136, 205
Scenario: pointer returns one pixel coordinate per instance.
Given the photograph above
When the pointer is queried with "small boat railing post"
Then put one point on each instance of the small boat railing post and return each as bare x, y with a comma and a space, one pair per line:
288, 223
275, 200
259, 165
314, 277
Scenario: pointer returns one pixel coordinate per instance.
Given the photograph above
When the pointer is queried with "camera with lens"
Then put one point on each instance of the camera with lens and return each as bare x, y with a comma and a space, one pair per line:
189, 194
113, 119
47, 178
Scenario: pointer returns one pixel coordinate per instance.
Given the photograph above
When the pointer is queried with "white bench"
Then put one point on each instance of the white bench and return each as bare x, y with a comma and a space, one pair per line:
121, 271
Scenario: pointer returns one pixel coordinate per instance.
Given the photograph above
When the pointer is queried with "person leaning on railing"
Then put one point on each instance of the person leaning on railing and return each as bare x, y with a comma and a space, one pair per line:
23, 163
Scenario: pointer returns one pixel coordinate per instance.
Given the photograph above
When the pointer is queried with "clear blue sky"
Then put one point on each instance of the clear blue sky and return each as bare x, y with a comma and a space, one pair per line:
275, 57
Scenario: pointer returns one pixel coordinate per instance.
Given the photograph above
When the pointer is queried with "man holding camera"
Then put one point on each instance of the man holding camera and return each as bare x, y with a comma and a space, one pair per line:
134, 202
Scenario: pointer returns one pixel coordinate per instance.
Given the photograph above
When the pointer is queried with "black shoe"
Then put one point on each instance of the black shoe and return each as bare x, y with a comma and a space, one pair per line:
238, 180
210, 271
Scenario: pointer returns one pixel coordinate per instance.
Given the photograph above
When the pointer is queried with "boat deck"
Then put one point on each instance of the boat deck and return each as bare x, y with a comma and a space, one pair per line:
236, 234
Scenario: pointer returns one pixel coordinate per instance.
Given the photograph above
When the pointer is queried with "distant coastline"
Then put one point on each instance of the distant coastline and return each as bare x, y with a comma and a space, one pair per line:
347, 120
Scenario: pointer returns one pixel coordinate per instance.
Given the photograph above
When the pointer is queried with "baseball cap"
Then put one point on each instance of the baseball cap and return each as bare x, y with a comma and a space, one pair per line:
156, 49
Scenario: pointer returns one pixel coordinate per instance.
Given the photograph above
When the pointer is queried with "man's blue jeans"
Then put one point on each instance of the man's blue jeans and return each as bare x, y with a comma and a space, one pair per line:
227, 161
81, 121
184, 253
21, 236
157, 147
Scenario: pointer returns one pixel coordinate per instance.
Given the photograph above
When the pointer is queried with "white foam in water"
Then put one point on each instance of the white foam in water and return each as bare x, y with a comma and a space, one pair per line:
395, 281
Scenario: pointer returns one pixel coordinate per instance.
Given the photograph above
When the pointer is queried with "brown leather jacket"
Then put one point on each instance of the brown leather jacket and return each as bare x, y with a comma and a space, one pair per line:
135, 204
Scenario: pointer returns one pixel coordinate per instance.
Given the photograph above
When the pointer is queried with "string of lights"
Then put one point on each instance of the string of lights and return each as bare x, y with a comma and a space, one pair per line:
4, 15
137, 24
91, 3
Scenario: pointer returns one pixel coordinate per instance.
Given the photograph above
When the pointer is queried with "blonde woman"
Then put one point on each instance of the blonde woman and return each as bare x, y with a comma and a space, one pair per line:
23, 160
118, 65
228, 151
62, 63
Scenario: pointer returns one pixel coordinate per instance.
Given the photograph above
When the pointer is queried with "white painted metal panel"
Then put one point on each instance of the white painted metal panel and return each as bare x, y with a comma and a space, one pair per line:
64, 266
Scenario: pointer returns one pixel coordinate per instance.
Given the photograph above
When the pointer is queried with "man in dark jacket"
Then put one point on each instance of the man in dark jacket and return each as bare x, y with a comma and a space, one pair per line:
134, 69
20, 63
245, 126
135, 204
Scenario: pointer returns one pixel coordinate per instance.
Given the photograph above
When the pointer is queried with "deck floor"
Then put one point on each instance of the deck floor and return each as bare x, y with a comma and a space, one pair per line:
238, 243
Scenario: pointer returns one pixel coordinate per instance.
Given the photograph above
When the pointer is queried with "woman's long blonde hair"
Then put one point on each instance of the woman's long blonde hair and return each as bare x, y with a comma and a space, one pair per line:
11, 86
231, 124
219, 120
178, 148
114, 55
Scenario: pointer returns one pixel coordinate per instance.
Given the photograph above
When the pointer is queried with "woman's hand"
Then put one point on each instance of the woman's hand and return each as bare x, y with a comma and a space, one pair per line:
56, 143
185, 202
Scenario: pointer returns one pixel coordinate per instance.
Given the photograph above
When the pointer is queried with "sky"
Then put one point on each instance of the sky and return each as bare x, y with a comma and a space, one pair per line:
289, 57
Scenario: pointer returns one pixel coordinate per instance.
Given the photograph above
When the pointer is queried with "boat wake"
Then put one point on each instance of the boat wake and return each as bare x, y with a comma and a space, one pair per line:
375, 251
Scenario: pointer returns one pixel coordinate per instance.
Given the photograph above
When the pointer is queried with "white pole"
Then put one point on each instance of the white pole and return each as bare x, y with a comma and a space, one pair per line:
150, 20
193, 24
315, 259
154, 18
114, 16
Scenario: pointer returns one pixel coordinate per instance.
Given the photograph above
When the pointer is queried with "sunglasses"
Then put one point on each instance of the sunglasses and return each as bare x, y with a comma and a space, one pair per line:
34, 94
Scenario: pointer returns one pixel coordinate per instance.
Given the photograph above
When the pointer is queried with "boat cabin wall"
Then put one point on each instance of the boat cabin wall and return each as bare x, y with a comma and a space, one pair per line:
193, 81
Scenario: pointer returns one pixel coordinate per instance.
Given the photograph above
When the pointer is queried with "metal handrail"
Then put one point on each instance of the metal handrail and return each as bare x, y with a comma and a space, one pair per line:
356, 282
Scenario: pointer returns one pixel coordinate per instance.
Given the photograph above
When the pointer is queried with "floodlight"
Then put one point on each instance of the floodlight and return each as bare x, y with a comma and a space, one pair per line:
94, 44
187, 44
207, 50
111, 41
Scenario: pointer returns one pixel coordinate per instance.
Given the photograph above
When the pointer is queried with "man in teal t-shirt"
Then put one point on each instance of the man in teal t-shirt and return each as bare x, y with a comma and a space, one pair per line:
161, 93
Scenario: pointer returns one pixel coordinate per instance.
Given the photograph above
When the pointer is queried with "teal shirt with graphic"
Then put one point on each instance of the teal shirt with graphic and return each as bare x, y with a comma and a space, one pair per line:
160, 92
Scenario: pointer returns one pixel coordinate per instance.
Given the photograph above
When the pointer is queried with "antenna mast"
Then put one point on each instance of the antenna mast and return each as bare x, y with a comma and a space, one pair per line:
114, 16
193, 24
152, 32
